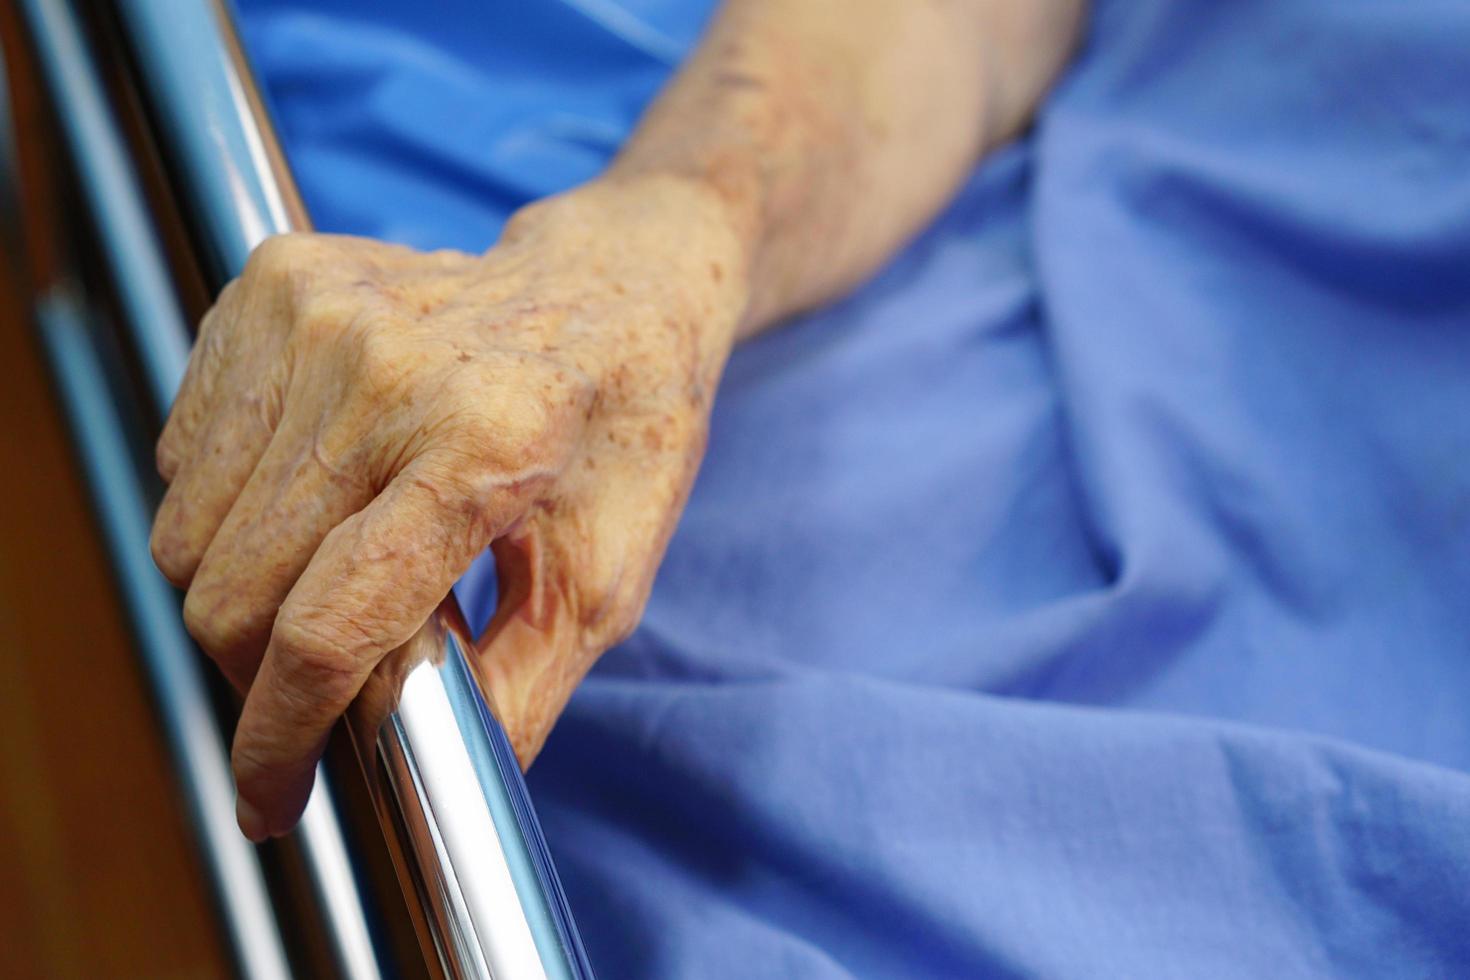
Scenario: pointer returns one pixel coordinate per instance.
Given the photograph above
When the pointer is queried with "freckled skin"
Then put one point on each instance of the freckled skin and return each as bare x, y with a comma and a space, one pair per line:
359, 420
535, 404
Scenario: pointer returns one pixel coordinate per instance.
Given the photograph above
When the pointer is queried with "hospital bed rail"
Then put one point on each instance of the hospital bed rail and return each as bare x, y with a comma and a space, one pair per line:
163, 122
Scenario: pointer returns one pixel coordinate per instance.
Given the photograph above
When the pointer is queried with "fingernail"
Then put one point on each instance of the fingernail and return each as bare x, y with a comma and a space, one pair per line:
252, 824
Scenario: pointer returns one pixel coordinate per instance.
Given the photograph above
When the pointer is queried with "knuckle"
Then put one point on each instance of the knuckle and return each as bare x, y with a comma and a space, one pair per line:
226, 624
275, 259
319, 323
317, 663
467, 501
513, 436
380, 369
515, 432
482, 452
267, 402
516, 414
255, 403
500, 477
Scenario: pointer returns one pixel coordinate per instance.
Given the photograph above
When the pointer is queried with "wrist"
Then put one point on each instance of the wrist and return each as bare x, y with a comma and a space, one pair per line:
697, 246
722, 189
647, 271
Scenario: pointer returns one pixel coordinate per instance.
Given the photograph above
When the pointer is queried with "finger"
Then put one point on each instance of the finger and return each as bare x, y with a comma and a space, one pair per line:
192, 404
371, 585
307, 483
207, 484
260, 299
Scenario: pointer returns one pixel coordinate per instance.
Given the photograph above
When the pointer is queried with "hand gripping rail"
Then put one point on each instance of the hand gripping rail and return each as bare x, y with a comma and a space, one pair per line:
440, 770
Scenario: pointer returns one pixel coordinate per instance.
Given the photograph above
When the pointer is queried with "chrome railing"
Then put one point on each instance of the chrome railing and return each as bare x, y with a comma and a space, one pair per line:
127, 240
440, 772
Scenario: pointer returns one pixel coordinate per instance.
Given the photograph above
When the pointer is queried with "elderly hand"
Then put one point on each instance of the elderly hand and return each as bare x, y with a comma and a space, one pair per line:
360, 421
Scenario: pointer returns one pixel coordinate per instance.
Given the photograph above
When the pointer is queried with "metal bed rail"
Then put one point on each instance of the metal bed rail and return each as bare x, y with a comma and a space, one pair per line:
439, 770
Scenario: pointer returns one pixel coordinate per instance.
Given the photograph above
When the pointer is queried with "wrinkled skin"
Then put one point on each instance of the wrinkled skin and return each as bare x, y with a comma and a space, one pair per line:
360, 421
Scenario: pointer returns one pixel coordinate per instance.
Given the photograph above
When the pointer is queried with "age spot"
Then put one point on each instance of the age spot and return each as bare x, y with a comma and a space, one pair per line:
739, 80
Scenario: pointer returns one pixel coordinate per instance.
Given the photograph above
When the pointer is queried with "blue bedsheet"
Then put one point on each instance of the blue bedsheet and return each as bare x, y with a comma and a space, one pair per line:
1089, 595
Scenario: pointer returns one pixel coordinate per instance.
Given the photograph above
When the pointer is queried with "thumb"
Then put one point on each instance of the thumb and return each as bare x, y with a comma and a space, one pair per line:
574, 576
531, 655
558, 611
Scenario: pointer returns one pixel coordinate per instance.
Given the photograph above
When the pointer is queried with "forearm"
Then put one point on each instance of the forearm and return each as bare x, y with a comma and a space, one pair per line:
832, 130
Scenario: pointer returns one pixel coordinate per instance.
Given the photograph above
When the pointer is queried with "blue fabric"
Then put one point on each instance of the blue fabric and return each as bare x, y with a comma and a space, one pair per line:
1089, 595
